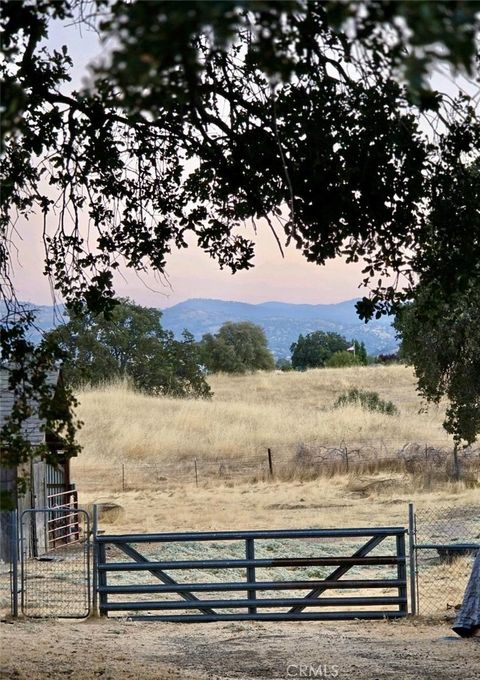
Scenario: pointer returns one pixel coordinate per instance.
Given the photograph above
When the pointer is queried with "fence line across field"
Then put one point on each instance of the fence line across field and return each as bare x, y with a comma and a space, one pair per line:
278, 461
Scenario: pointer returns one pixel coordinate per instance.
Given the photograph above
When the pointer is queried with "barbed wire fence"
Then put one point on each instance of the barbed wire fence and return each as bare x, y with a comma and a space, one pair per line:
446, 541
430, 463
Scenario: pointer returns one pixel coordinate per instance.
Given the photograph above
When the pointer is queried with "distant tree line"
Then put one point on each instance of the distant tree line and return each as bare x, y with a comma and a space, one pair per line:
131, 343
325, 349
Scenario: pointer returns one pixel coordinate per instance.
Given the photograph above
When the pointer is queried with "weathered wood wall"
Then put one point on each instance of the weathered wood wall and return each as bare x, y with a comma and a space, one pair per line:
43, 478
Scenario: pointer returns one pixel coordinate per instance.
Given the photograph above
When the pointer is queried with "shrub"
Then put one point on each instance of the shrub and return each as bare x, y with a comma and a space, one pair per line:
369, 400
283, 364
342, 359
388, 358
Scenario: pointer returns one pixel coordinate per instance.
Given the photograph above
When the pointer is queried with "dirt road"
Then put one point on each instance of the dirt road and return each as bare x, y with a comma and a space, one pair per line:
120, 650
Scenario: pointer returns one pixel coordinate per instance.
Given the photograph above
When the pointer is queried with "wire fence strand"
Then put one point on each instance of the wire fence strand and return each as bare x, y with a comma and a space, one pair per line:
430, 463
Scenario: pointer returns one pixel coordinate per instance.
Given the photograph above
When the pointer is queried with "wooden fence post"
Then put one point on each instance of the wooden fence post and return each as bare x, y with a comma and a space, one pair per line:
270, 462
456, 464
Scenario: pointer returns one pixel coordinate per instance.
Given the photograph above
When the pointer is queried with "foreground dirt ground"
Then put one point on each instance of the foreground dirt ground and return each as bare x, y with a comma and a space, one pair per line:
117, 649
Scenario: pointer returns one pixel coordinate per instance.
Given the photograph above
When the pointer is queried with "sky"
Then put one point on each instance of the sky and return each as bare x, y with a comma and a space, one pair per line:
191, 273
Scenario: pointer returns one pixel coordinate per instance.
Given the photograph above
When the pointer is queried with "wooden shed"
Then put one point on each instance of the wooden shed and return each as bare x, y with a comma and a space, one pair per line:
49, 485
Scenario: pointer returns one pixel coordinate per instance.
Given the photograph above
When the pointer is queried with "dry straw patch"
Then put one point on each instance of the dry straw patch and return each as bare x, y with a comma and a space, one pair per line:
322, 503
249, 413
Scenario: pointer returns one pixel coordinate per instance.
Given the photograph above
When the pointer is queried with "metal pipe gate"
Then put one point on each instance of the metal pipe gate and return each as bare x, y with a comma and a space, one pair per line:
147, 560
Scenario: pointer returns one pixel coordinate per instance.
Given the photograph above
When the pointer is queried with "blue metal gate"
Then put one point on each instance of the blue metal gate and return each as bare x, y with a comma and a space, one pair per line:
133, 579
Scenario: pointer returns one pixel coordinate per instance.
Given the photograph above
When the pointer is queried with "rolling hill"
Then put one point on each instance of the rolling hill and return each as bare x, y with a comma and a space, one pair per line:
282, 321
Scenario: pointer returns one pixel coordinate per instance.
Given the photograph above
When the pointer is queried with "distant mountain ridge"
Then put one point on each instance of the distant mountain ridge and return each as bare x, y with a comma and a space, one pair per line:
282, 321
46, 317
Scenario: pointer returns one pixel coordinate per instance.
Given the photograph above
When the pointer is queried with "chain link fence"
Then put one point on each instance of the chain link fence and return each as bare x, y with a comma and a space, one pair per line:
446, 541
56, 582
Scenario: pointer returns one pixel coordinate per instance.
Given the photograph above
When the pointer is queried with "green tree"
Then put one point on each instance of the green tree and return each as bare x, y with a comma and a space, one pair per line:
314, 349
202, 119
360, 352
342, 359
130, 343
445, 351
440, 327
237, 348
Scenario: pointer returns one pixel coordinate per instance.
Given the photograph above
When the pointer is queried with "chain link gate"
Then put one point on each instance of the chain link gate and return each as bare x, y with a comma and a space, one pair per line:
444, 542
55, 563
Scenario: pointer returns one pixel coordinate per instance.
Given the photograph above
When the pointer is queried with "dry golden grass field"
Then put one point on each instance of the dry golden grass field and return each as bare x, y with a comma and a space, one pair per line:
152, 442
250, 413
136, 441
139, 450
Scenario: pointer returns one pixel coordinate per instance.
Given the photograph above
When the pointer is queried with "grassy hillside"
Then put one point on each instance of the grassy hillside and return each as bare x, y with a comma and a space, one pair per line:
249, 413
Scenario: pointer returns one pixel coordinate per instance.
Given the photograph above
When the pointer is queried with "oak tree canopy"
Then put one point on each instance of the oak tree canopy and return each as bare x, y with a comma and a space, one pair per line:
313, 117
236, 348
131, 344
